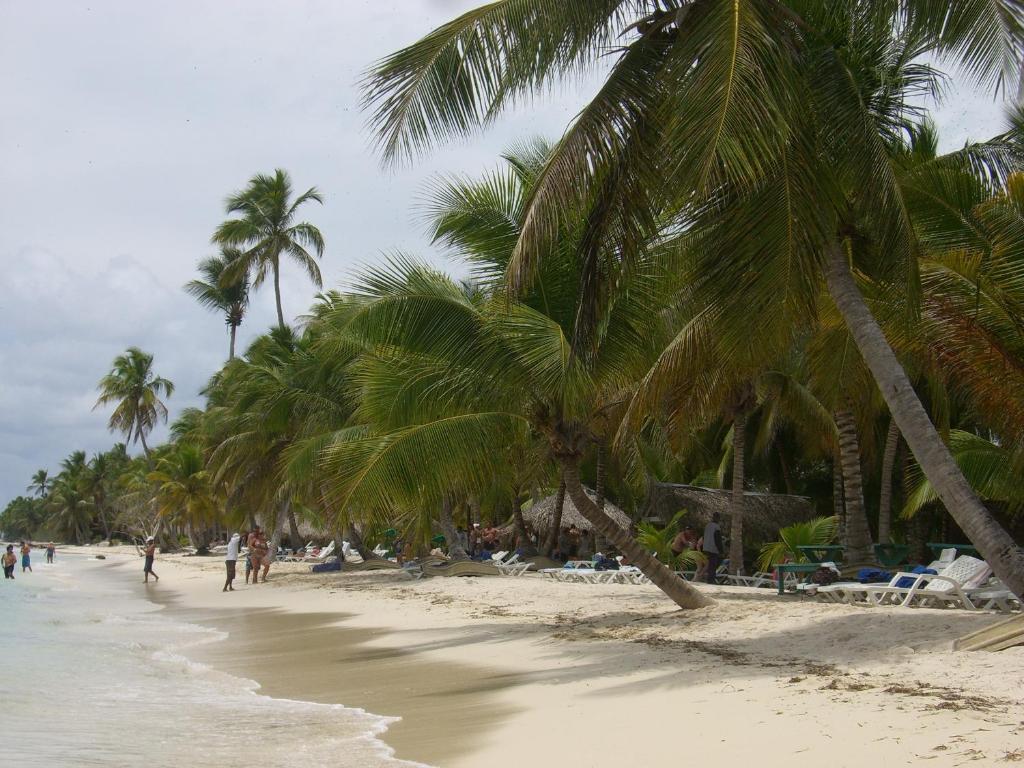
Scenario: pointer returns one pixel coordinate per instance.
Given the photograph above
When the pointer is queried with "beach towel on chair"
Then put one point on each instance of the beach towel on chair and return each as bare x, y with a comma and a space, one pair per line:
873, 576
906, 582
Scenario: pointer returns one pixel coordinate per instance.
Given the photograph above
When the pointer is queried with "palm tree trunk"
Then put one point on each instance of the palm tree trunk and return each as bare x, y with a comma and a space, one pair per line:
355, 538
680, 591
739, 450
293, 530
892, 440
556, 520
857, 545
933, 456
455, 550
838, 508
231, 344
599, 542
145, 448
277, 294
279, 521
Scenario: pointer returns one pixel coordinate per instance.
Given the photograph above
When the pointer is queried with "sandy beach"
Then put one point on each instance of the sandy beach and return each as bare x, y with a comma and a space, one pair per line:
488, 670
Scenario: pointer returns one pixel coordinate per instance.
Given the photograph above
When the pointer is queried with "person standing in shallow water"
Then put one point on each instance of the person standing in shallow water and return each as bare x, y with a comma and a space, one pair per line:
231, 561
9, 560
149, 551
50, 550
26, 557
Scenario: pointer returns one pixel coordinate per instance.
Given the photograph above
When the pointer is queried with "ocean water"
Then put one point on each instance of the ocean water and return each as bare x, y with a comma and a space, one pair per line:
92, 675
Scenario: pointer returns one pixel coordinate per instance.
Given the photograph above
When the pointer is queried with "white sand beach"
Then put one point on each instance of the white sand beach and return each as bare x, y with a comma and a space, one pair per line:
489, 670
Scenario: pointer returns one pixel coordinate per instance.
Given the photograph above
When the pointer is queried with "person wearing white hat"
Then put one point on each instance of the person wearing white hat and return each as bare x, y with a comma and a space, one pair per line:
149, 551
230, 561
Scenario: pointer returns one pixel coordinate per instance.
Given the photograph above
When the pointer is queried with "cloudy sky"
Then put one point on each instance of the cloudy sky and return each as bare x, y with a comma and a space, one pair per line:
126, 124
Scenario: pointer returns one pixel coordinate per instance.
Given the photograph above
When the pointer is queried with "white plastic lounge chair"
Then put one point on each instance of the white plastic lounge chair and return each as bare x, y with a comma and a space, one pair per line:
994, 596
948, 587
310, 559
758, 579
512, 566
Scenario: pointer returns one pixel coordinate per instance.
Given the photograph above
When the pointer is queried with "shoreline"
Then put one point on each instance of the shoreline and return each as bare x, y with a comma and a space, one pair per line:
481, 669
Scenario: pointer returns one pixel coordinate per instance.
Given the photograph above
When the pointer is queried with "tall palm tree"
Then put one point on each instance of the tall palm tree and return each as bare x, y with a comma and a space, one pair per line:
789, 105
40, 484
265, 230
218, 295
135, 390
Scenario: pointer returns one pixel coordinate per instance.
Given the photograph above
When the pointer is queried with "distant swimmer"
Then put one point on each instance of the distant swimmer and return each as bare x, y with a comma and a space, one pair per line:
149, 551
26, 557
231, 560
50, 550
9, 560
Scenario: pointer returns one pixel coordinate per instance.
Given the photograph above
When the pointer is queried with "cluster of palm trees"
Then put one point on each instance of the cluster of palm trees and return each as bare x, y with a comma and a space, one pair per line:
744, 264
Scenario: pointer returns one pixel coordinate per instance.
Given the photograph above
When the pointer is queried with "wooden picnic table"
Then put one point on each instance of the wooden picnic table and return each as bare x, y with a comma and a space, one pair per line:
824, 553
783, 568
891, 555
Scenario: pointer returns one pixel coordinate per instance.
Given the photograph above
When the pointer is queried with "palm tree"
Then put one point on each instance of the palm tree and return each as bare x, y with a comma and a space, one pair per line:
463, 377
40, 484
789, 107
265, 230
184, 492
214, 293
135, 390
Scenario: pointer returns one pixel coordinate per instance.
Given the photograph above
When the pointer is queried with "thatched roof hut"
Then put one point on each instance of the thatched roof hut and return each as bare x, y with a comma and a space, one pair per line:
763, 515
541, 514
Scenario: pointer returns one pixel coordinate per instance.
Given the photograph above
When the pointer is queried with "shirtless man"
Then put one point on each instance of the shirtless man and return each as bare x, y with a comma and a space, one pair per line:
9, 561
149, 551
250, 559
26, 556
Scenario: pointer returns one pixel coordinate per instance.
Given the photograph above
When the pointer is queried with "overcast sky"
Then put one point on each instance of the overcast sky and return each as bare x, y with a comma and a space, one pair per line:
125, 124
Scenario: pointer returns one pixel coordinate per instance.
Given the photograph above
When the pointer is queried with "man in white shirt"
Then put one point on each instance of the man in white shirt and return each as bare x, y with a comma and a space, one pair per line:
712, 548
230, 559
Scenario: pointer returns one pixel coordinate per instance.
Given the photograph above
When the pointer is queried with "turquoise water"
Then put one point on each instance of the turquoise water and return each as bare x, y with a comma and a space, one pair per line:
95, 676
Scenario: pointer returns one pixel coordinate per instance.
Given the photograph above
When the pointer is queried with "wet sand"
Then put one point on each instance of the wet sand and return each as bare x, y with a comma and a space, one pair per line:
444, 707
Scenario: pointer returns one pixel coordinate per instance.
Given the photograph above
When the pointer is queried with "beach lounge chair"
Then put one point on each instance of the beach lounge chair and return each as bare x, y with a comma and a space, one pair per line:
758, 579
856, 591
312, 559
512, 567
947, 588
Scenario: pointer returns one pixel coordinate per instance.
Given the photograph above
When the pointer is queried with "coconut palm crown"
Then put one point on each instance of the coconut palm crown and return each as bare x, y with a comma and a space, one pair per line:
135, 391
265, 230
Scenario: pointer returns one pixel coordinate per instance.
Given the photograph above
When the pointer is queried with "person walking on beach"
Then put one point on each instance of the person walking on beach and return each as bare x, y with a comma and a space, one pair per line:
26, 557
9, 560
50, 550
712, 546
149, 551
231, 560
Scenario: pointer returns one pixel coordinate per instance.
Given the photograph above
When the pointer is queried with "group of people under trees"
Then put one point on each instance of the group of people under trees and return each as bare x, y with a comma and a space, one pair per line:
710, 544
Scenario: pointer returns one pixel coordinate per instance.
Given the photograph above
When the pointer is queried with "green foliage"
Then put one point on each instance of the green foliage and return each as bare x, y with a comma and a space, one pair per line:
23, 517
817, 532
135, 391
659, 541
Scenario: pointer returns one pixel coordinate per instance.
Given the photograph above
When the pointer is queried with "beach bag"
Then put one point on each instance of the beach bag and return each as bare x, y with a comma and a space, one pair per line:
824, 576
